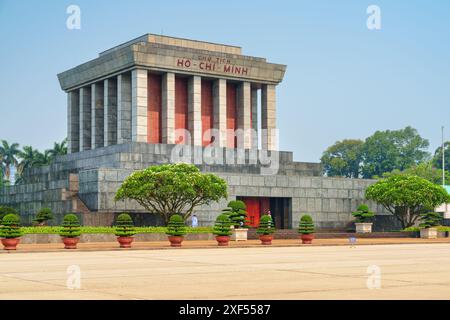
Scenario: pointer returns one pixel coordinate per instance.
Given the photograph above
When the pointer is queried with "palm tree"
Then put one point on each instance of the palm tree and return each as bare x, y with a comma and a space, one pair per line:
58, 149
42, 159
8, 155
28, 157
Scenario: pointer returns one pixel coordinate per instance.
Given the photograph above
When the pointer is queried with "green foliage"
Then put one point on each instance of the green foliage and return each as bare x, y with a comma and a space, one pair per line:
407, 196
6, 210
424, 170
363, 214
430, 219
8, 157
170, 188
237, 212
124, 226
437, 159
343, 159
10, 227
266, 226
306, 225
44, 215
387, 150
222, 226
71, 226
111, 230
176, 226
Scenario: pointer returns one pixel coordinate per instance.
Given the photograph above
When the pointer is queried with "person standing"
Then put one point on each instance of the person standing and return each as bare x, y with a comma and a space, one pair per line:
194, 221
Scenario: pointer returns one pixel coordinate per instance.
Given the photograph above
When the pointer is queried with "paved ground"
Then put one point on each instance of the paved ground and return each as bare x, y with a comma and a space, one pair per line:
408, 271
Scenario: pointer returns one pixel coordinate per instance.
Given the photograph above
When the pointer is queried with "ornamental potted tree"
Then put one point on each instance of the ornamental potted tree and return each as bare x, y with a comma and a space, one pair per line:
10, 231
265, 230
237, 213
306, 229
176, 229
42, 216
125, 230
222, 230
363, 217
70, 231
430, 220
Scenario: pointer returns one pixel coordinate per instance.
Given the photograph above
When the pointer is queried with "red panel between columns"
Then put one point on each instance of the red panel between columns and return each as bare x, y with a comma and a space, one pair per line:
154, 108
231, 114
181, 108
207, 110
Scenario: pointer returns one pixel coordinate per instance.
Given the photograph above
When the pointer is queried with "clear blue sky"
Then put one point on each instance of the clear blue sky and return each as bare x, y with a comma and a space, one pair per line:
342, 80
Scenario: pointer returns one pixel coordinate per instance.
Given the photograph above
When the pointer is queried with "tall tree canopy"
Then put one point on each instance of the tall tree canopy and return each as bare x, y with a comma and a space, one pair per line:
343, 159
8, 154
172, 189
437, 159
424, 170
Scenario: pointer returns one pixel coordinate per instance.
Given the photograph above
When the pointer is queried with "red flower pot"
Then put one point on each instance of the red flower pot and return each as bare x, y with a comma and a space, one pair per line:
70, 243
175, 241
266, 239
10, 243
223, 241
125, 242
307, 238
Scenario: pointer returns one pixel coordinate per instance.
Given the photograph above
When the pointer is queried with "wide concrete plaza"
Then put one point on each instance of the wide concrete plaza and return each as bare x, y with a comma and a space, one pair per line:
408, 271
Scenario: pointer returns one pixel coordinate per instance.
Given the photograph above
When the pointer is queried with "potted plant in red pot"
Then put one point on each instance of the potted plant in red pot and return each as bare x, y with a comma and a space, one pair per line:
176, 229
10, 231
266, 230
306, 229
237, 213
125, 230
222, 230
70, 231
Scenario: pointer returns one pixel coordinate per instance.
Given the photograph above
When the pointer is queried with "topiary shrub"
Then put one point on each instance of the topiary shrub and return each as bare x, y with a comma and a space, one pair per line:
430, 219
363, 214
237, 212
265, 225
176, 226
10, 227
43, 215
124, 226
6, 210
222, 227
306, 225
71, 226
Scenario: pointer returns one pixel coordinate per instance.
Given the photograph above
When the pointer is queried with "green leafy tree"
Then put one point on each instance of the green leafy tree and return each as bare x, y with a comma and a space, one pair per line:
7, 210
424, 170
306, 225
58, 149
10, 226
437, 158
176, 226
407, 196
71, 226
266, 226
8, 154
222, 227
363, 214
124, 226
237, 212
43, 216
430, 219
388, 150
170, 188
343, 159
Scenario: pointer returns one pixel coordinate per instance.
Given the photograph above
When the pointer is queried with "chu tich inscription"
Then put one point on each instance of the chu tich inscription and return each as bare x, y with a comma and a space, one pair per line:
214, 64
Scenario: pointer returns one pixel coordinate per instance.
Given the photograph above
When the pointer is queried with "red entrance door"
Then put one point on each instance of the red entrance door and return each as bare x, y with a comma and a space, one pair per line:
253, 211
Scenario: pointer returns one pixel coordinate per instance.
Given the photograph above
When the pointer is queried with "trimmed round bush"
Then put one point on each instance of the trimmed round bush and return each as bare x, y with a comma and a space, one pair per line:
222, 227
363, 214
176, 226
71, 226
306, 225
44, 215
237, 211
124, 226
10, 227
265, 225
430, 219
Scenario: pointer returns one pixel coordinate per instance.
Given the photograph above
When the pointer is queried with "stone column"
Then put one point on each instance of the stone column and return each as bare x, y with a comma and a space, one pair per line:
254, 118
73, 121
195, 109
244, 113
269, 134
124, 108
110, 111
139, 105
97, 115
168, 108
220, 110
85, 118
